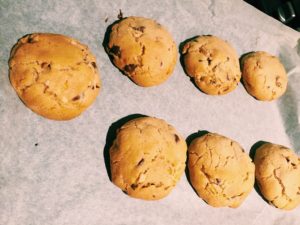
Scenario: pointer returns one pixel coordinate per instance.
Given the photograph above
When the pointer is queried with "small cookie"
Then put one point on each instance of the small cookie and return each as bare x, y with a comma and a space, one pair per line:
212, 63
278, 175
147, 158
143, 49
54, 75
264, 76
220, 171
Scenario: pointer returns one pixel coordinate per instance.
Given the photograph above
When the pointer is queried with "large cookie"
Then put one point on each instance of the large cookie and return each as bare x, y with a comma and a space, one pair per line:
212, 63
143, 49
278, 175
264, 76
54, 75
220, 171
147, 158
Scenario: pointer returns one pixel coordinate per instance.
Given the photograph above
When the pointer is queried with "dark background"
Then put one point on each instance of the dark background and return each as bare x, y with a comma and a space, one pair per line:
274, 7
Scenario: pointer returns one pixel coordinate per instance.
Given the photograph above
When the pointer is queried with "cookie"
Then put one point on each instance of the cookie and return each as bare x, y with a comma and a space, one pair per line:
264, 76
278, 175
143, 49
220, 171
147, 158
54, 75
212, 63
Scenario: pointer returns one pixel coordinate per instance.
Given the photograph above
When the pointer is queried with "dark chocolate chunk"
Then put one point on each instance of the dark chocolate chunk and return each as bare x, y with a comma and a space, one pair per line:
177, 139
94, 65
115, 50
141, 162
130, 68
134, 186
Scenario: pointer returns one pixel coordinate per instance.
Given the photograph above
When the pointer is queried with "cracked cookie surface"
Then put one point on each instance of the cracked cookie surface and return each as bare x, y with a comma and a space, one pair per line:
220, 171
54, 75
143, 49
212, 63
264, 76
147, 158
278, 175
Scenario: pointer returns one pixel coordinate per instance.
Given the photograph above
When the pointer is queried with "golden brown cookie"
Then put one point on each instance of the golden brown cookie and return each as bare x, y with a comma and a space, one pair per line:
220, 171
143, 49
264, 76
54, 75
278, 175
212, 63
147, 158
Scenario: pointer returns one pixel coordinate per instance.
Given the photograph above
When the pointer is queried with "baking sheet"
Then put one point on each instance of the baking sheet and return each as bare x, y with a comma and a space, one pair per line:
54, 172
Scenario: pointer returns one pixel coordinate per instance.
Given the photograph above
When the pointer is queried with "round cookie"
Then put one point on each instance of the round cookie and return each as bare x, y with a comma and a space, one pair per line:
147, 158
54, 75
143, 49
220, 171
264, 76
212, 63
278, 175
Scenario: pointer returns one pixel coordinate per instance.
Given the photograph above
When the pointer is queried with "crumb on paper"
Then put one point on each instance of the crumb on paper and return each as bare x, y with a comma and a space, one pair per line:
120, 15
106, 19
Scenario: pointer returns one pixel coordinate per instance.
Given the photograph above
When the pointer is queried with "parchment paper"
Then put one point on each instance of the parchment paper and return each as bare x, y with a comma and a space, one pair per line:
54, 172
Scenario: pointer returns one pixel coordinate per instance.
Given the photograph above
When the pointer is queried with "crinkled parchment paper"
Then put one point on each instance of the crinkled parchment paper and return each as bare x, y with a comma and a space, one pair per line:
54, 172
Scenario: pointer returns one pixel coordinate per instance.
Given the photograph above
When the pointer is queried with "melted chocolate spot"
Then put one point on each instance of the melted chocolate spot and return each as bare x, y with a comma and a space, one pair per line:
76, 98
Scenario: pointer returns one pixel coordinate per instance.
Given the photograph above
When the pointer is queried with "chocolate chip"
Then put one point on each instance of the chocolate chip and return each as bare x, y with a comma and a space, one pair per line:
287, 159
278, 84
141, 162
115, 50
141, 28
177, 139
130, 68
94, 65
161, 64
120, 15
30, 39
134, 186
76, 98
209, 61
97, 86
218, 180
